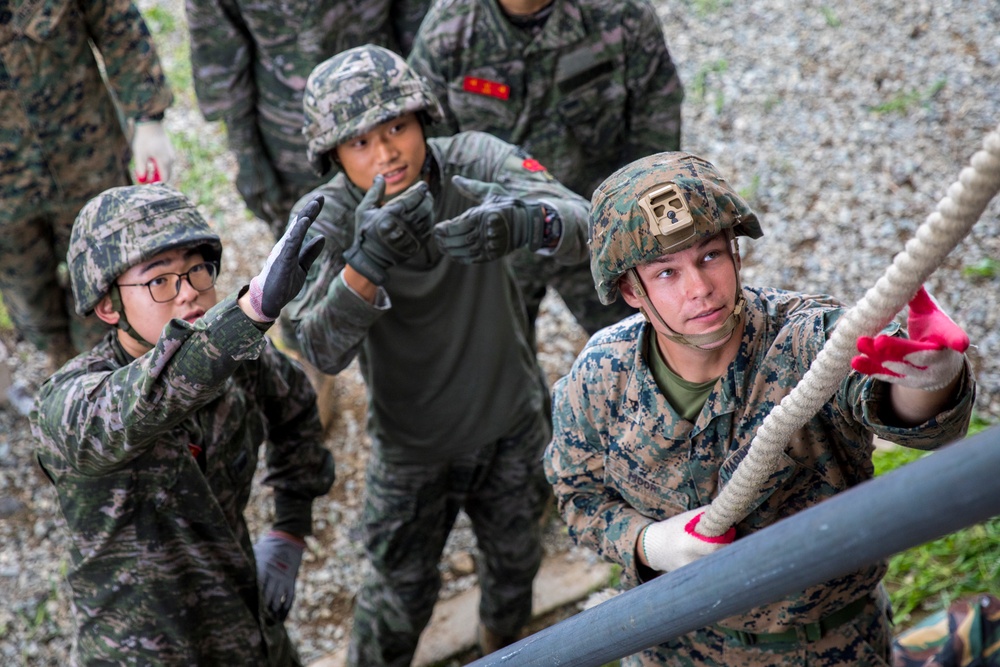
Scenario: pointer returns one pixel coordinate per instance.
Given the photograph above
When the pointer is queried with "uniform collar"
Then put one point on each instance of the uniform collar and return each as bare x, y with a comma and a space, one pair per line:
563, 28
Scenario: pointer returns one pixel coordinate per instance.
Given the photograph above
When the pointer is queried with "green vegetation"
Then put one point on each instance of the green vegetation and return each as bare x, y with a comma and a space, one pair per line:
699, 89
928, 577
830, 16
750, 192
983, 269
902, 102
708, 7
5, 323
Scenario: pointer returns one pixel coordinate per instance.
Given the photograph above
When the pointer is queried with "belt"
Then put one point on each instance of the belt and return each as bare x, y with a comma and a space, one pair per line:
809, 632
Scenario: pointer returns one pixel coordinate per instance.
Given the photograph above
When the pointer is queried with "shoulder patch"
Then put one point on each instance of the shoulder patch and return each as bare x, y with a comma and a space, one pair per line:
471, 84
531, 164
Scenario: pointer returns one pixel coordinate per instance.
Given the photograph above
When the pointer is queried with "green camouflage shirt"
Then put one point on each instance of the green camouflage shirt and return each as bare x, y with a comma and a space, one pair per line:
594, 90
162, 566
60, 135
621, 457
444, 350
250, 62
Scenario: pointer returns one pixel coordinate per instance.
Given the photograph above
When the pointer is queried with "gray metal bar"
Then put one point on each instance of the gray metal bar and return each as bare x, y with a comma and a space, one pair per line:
957, 486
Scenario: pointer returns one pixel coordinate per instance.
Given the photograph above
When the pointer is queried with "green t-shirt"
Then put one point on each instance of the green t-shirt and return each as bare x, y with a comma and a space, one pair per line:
687, 398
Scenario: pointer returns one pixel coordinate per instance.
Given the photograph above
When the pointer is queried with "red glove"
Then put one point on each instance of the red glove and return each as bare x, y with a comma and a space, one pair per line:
930, 359
146, 177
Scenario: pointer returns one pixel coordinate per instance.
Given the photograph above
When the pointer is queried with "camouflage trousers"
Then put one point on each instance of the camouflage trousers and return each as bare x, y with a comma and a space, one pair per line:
575, 285
861, 642
32, 246
966, 634
409, 512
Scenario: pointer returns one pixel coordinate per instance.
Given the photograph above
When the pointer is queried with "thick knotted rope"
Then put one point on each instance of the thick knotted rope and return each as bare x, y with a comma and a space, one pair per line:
943, 229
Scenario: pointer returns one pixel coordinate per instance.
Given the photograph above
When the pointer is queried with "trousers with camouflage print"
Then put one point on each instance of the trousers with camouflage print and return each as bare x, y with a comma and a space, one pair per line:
409, 511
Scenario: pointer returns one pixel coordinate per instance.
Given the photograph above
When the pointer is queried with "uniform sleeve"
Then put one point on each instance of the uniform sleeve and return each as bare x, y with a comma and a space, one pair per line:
527, 179
596, 515
100, 421
331, 320
435, 56
222, 53
299, 467
133, 67
654, 87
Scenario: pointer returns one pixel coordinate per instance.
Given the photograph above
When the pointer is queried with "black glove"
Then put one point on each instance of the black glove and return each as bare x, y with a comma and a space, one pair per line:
285, 270
390, 235
499, 225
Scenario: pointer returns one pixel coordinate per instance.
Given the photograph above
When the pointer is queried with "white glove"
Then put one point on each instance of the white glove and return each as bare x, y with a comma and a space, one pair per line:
152, 152
675, 542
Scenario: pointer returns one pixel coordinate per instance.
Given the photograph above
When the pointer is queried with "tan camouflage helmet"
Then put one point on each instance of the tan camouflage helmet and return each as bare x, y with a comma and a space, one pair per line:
356, 90
124, 226
655, 206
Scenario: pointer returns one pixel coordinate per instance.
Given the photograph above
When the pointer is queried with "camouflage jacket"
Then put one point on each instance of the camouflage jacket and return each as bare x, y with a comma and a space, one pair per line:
250, 61
593, 91
444, 348
60, 135
162, 566
621, 457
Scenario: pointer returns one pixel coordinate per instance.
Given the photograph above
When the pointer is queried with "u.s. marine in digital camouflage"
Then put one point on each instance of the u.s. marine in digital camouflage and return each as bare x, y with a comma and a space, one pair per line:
61, 143
585, 86
658, 411
250, 62
151, 440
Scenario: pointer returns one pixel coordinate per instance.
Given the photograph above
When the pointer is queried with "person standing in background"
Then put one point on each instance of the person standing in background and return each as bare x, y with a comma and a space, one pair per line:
585, 86
250, 62
63, 141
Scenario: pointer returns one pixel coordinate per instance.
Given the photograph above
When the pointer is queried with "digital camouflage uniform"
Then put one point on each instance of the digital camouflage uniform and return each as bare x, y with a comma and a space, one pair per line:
591, 90
622, 457
406, 18
62, 142
250, 63
162, 568
455, 400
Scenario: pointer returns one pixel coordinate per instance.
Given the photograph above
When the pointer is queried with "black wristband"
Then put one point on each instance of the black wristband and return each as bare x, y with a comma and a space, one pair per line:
151, 118
551, 227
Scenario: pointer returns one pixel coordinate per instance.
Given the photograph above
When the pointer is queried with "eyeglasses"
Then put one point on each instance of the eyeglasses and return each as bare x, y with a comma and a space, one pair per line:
166, 286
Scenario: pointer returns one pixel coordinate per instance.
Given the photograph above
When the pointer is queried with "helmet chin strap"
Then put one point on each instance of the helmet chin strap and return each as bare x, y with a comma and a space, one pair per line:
697, 341
119, 307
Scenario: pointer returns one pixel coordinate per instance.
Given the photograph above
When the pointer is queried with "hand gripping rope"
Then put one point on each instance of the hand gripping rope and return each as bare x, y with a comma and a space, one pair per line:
943, 229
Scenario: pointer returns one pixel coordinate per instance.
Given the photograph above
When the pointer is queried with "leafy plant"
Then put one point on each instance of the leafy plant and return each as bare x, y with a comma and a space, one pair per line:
984, 268
903, 101
831, 17
5, 323
930, 576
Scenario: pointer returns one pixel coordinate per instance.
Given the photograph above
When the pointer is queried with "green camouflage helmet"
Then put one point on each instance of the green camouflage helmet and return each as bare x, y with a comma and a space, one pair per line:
655, 206
354, 91
124, 226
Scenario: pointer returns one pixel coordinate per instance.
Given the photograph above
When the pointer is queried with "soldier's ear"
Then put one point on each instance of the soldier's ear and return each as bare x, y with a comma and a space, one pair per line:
106, 312
628, 291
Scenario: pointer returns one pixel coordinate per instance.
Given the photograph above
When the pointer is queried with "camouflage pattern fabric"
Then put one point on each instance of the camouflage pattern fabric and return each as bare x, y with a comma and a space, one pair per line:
621, 234
126, 226
966, 634
409, 511
621, 457
594, 89
250, 62
61, 143
355, 91
406, 18
162, 567
461, 325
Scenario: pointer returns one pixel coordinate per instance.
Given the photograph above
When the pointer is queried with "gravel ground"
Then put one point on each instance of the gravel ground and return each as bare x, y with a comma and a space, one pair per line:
843, 123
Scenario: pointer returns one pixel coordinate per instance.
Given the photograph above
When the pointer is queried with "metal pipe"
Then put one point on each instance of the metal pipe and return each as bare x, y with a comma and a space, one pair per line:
955, 487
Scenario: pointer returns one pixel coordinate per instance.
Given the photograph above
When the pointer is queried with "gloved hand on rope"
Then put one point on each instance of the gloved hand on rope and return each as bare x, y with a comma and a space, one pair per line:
499, 225
285, 270
675, 542
929, 359
391, 234
278, 555
152, 152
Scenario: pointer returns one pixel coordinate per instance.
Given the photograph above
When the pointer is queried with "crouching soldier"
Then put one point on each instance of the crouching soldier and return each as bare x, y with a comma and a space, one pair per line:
151, 440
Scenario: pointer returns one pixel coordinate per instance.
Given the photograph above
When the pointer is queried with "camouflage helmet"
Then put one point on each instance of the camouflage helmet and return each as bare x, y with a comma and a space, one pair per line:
655, 206
124, 226
354, 91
